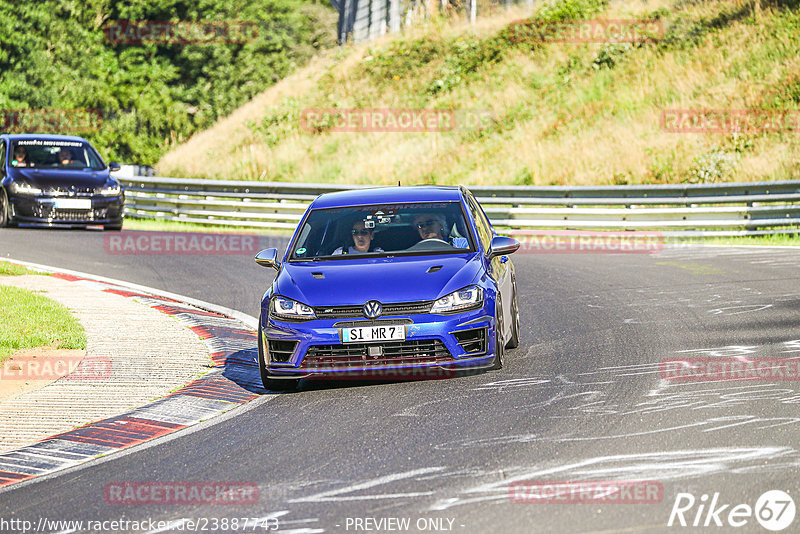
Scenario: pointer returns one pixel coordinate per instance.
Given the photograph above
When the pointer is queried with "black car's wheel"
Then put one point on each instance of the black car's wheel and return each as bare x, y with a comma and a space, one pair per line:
499, 346
3, 209
514, 341
272, 384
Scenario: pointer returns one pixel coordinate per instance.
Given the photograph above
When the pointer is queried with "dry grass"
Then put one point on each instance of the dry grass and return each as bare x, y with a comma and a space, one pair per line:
560, 121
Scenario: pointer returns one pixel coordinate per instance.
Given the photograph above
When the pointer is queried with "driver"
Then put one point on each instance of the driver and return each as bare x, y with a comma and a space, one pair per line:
430, 226
65, 156
362, 240
20, 155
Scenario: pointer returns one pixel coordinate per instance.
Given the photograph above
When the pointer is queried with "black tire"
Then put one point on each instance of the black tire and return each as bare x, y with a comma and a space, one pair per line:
513, 343
4, 222
112, 227
272, 384
499, 346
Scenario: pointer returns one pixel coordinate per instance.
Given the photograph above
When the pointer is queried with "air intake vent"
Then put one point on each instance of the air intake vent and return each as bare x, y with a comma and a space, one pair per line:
281, 351
472, 341
434, 269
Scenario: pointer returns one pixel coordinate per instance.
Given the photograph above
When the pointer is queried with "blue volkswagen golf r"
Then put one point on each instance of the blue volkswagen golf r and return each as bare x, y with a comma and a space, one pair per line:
388, 283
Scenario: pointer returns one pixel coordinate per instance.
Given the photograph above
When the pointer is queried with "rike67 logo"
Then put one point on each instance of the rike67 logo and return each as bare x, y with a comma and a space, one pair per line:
774, 510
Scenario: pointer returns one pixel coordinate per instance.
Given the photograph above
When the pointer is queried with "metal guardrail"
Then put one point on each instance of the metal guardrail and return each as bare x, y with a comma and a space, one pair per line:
677, 210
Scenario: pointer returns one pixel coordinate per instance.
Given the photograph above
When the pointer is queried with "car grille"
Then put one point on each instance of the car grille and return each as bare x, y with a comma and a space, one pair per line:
73, 215
397, 308
45, 211
356, 355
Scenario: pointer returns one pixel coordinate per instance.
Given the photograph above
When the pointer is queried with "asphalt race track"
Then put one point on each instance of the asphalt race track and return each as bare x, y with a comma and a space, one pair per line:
581, 399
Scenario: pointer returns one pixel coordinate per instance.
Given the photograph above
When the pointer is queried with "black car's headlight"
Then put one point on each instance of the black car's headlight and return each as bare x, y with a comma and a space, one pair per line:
111, 189
290, 309
23, 188
463, 299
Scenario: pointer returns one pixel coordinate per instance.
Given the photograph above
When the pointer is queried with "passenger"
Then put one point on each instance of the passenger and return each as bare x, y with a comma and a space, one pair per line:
362, 240
20, 157
430, 226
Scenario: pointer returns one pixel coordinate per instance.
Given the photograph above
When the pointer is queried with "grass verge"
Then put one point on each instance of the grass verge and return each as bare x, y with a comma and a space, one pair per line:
12, 269
29, 320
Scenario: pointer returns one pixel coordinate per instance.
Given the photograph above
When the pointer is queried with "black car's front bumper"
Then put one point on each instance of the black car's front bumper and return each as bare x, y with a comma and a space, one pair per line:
44, 210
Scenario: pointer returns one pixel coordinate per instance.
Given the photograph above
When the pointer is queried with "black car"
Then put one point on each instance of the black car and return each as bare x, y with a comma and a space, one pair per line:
57, 180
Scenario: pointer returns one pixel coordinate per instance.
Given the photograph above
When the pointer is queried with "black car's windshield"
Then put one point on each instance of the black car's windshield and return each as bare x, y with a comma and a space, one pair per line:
54, 154
383, 229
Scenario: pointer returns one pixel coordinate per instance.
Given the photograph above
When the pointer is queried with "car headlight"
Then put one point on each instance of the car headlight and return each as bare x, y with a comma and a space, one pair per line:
111, 189
469, 297
24, 188
290, 309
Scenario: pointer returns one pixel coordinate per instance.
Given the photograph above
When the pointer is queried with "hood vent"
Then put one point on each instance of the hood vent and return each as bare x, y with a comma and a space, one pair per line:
434, 269
318, 276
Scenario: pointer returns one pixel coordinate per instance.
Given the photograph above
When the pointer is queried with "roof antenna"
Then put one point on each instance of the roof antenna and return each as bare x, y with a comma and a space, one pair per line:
398, 183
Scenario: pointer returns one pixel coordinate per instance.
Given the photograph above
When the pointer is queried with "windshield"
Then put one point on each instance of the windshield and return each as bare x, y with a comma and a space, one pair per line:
382, 230
54, 154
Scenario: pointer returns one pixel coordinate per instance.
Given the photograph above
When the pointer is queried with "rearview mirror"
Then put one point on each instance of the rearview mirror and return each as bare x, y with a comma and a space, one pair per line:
113, 166
268, 258
502, 246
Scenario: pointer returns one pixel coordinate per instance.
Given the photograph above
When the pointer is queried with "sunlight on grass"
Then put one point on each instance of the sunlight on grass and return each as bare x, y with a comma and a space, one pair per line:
28, 319
12, 269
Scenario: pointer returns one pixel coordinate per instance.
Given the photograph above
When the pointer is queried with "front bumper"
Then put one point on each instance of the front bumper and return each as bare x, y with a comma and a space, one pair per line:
42, 210
436, 346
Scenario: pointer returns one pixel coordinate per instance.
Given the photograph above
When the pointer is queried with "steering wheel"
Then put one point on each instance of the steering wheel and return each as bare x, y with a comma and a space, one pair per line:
432, 243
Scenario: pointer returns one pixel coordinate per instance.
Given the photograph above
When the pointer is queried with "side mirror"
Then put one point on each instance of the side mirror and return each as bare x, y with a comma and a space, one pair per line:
268, 258
502, 246
113, 166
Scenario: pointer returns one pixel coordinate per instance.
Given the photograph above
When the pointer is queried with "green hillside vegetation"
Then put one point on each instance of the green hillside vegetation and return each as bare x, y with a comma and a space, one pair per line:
55, 55
559, 113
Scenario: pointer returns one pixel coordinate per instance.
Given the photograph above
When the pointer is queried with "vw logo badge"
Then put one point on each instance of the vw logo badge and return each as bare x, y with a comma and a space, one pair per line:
372, 309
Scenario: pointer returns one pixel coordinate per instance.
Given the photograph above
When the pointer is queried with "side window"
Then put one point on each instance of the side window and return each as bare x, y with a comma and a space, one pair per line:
2, 158
485, 220
484, 234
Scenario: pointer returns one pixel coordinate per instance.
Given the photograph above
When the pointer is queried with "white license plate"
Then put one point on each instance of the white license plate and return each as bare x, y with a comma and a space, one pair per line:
74, 203
363, 334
